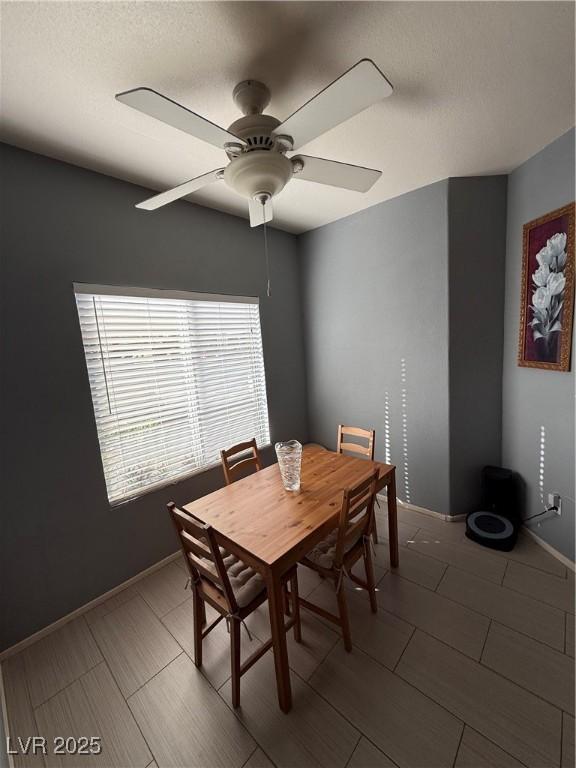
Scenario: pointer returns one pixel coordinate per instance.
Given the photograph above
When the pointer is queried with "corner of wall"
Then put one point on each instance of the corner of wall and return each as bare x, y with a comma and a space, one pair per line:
476, 271
301, 251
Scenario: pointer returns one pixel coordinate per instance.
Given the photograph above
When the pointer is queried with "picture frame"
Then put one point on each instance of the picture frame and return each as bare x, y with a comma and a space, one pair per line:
547, 300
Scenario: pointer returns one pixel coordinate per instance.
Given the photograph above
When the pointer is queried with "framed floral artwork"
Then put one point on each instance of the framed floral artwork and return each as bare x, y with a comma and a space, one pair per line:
547, 302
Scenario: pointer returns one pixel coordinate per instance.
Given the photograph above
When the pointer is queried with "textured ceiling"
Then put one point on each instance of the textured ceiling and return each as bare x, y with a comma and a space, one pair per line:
479, 87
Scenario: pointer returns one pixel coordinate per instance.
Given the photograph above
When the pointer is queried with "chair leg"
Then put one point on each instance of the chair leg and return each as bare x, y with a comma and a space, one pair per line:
235, 661
369, 567
203, 612
296, 608
374, 533
286, 599
199, 620
344, 621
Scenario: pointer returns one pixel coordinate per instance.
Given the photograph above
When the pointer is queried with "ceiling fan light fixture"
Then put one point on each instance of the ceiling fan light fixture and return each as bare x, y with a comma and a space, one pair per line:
258, 172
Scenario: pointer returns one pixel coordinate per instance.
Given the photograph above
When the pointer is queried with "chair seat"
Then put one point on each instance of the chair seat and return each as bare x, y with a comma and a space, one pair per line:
246, 583
324, 552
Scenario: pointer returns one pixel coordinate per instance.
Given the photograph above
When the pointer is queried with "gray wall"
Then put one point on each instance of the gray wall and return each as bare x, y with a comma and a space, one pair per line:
3, 743
375, 294
477, 253
533, 398
62, 544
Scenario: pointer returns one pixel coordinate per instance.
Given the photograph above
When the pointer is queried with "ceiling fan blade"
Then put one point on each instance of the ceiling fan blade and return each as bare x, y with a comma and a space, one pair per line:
352, 92
335, 174
257, 215
180, 191
162, 108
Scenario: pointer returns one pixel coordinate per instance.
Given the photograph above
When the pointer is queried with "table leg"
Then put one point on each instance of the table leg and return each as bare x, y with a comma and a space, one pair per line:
276, 607
392, 520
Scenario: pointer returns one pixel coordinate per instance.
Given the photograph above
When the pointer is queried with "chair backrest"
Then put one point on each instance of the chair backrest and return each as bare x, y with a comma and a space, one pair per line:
365, 434
356, 516
235, 463
199, 544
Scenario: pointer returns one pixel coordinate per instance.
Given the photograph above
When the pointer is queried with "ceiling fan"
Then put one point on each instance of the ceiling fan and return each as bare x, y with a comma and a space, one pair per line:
258, 145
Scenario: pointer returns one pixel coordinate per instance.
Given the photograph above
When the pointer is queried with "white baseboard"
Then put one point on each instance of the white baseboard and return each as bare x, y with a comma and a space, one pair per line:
551, 550
425, 511
84, 608
454, 518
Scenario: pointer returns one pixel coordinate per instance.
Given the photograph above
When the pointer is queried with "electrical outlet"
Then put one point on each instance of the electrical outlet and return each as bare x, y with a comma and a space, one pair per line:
555, 500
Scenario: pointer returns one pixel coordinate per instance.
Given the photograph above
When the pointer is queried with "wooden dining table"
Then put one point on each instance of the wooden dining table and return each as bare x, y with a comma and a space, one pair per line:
271, 529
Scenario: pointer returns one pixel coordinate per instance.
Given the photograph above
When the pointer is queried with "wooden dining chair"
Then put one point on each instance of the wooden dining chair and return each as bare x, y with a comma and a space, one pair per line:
231, 587
366, 449
235, 462
335, 556
364, 434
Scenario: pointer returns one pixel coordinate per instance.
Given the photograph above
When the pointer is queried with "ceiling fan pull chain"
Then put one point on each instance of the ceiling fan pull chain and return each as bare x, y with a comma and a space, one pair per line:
268, 291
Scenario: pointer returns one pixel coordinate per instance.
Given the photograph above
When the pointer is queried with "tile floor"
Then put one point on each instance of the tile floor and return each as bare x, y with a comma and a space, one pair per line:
469, 663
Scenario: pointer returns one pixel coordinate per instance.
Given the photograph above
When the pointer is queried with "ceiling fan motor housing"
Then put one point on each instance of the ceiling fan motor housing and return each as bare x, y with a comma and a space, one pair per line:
260, 167
256, 130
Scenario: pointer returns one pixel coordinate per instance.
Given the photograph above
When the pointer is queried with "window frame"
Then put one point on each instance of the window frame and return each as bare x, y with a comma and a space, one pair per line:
162, 293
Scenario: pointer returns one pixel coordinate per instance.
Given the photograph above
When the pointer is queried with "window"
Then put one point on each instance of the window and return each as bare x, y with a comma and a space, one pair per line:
175, 377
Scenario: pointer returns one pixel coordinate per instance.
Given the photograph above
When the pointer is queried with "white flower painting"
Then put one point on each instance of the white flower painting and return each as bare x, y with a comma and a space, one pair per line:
547, 298
549, 285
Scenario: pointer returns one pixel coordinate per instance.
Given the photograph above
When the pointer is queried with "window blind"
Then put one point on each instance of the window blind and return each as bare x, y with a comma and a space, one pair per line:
173, 380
